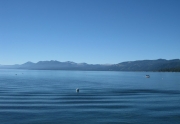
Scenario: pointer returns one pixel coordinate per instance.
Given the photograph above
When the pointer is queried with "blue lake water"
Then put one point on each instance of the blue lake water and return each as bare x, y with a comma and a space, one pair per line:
49, 97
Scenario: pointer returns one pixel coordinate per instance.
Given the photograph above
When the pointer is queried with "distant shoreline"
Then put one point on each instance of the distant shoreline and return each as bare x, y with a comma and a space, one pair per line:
81, 70
159, 65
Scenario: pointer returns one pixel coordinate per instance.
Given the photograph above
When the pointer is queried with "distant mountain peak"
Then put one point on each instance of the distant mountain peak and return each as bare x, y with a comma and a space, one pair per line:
54, 61
29, 62
70, 62
139, 65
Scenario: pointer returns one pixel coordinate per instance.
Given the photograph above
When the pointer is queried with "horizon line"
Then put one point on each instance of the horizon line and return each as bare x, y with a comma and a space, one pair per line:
96, 63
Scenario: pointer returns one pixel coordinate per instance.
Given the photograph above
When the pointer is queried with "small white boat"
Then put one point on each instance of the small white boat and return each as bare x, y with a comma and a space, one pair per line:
147, 76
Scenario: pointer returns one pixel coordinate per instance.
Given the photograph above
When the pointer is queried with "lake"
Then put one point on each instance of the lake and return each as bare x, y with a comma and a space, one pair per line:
50, 97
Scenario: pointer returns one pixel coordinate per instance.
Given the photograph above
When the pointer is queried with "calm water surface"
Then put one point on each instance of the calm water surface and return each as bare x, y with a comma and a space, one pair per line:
49, 97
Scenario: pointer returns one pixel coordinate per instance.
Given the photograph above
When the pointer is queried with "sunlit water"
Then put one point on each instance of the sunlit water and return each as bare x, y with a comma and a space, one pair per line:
49, 97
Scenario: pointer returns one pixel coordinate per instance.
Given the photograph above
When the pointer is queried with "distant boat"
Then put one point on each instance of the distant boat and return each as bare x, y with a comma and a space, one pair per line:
147, 76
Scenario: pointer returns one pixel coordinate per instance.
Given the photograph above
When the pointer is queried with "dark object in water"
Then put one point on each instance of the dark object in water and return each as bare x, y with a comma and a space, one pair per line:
147, 76
77, 90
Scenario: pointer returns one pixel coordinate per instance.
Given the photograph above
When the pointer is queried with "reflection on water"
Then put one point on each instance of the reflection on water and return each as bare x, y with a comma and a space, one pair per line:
43, 97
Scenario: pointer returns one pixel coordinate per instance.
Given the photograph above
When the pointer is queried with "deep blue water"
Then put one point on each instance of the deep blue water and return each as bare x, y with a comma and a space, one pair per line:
49, 97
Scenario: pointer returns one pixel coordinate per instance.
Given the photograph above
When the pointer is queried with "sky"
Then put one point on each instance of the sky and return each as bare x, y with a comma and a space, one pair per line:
91, 31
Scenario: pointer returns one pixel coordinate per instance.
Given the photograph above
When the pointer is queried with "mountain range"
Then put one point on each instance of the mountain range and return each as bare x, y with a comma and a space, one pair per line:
139, 65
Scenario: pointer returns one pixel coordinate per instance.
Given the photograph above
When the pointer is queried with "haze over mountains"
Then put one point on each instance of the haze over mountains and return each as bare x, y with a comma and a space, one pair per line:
140, 65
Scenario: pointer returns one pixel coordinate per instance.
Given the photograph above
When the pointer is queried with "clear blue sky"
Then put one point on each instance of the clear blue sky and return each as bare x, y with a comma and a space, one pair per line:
92, 31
